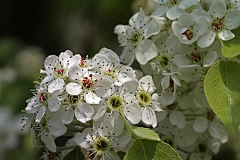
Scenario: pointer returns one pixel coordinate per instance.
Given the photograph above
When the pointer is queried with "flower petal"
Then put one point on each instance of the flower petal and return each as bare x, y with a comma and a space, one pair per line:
84, 112
145, 51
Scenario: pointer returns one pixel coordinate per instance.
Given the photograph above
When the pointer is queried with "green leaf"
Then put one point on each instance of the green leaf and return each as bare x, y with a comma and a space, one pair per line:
151, 150
222, 89
232, 48
140, 132
76, 154
145, 133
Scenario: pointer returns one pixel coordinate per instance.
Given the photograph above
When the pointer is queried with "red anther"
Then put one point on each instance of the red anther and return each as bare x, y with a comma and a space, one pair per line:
42, 97
90, 75
60, 71
109, 71
210, 115
90, 84
82, 61
188, 34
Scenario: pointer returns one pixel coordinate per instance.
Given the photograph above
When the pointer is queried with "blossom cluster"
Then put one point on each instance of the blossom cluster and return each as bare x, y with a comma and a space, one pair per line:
174, 46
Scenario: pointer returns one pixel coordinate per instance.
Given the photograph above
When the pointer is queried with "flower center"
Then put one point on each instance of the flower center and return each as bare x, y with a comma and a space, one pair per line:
171, 107
163, 61
88, 82
115, 102
135, 38
43, 97
203, 148
188, 33
195, 57
217, 24
74, 99
144, 98
110, 73
173, 2
101, 145
211, 115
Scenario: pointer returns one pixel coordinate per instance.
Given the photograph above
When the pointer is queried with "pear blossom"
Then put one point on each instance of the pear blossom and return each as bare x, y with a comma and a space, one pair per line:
188, 30
220, 22
174, 8
56, 69
148, 100
122, 99
135, 38
101, 140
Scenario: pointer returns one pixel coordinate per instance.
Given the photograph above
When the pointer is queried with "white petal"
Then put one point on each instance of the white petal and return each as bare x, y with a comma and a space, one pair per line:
99, 110
127, 56
218, 131
177, 118
232, 20
167, 98
153, 28
111, 55
67, 115
174, 12
84, 112
210, 58
73, 89
181, 60
186, 136
161, 115
133, 113
56, 127
80, 138
40, 113
50, 62
160, 11
226, 35
186, 20
145, 51
64, 58
165, 82
121, 141
128, 88
75, 60
200, 124
186, 101
149, 116
190, 73
118, 125
75, 73
218, 9
91, 98
206, 39
56, 85
146, 83
166, 128
48, 141
54, 104
110, 156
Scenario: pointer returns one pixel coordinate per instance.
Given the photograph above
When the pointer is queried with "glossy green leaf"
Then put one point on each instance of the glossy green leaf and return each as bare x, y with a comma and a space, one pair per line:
222, 89
151, 150
145, 133
232, 48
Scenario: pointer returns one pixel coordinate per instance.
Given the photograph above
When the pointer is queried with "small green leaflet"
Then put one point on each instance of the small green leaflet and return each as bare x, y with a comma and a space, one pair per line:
222, 89
145, 133
151, 150
232, 48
